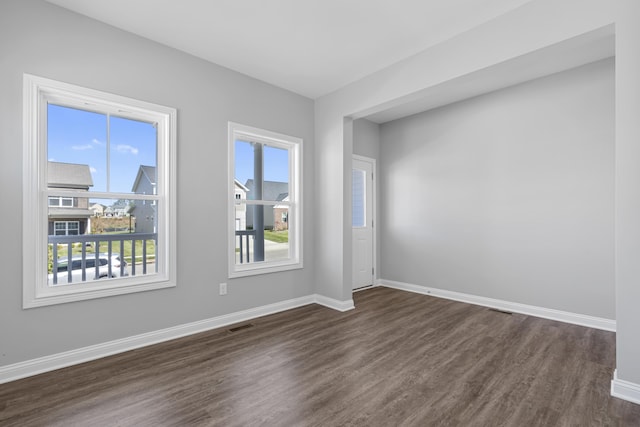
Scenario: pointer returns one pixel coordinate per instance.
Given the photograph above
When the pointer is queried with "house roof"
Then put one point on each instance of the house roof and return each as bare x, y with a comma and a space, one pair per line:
69, 213
239, 184
149, 172
284, 197
271, 190
69, 175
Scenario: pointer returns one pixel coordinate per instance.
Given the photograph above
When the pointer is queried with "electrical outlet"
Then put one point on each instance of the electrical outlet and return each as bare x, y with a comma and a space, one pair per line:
223, 288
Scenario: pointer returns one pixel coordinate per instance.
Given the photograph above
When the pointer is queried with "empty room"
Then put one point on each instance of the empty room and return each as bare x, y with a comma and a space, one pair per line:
320, 213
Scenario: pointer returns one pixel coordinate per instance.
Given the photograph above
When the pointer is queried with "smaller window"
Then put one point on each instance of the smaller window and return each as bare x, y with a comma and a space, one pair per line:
65, 202
66, 228
265, 219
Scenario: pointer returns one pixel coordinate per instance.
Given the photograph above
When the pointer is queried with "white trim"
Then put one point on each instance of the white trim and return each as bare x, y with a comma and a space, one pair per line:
624, 389
40, 365
545, 313
37, 92
334, 303
374, 214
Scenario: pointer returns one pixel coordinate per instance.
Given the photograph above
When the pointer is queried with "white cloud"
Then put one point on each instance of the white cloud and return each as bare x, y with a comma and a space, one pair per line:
93, 170
82, 147
97, 141
124, 148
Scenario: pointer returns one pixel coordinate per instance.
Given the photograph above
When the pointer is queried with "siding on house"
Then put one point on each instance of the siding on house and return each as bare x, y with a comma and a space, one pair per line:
145, 210
70, 176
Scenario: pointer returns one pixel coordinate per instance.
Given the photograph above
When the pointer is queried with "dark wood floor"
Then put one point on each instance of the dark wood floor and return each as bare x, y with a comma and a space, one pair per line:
399, 359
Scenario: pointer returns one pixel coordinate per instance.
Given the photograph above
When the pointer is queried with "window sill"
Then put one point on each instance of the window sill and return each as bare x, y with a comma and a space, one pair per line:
70, 293
257, 269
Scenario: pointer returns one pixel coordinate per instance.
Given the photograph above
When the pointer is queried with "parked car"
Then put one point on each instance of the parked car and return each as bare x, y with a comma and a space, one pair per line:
89, 266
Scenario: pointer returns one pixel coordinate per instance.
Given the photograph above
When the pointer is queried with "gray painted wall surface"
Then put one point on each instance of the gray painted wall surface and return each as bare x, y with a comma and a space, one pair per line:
509, 195
41, 39
366, 138
627, 190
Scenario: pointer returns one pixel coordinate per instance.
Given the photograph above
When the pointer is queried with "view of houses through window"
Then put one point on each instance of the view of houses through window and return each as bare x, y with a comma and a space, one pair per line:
99, 185
98, 165
264, 199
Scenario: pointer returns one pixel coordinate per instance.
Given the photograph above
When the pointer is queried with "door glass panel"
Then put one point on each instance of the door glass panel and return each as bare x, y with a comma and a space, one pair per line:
358, 198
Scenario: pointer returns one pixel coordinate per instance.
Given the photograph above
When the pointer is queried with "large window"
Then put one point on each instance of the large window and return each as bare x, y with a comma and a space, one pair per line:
265, 221
99, 183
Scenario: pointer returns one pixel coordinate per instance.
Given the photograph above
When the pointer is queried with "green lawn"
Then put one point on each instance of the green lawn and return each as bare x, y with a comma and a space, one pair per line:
277, 236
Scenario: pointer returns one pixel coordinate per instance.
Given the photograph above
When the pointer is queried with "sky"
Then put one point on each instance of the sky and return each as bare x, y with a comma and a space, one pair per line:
276, 162
77, 136
81, 137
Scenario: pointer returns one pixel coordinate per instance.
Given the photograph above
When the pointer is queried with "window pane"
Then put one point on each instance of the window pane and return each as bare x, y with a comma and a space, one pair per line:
68, 202
95, 152
276, 173
133, 153
124, 228
79, 138
358, 183
276, 238
243, 165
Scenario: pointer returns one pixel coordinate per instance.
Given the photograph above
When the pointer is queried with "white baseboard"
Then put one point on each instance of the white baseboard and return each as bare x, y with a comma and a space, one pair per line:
624, 389
514, 307
334, 303
68, 358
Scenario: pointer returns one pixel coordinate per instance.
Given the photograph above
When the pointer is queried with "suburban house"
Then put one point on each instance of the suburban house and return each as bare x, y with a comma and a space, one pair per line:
490, 275
69, 215
116, 211
145, 210
281, 213
271, 190
97, 209
240, 208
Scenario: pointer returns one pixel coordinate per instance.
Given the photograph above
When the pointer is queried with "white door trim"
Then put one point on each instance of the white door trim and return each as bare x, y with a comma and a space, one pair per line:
374, 213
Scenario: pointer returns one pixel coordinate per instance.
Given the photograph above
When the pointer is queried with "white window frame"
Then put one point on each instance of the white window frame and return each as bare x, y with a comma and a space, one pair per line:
38, 92
294, 145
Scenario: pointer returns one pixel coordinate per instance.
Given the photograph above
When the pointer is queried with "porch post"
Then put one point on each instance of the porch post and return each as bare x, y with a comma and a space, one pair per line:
258, 210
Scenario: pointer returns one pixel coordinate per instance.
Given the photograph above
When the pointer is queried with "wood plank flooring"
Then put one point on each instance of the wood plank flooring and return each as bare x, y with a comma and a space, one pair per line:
398, 359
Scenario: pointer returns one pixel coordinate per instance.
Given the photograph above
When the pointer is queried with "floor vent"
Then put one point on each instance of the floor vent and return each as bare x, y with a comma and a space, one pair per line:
500, 311
241, 327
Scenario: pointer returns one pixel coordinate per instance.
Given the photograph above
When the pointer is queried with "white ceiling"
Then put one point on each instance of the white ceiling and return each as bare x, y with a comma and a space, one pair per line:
311, 47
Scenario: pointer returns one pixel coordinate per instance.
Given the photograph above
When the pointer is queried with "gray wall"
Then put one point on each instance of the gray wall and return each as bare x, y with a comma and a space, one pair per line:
509, 195
41, 39
366, 138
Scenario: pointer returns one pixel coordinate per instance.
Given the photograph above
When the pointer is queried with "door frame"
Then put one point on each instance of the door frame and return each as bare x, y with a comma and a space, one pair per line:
374, 218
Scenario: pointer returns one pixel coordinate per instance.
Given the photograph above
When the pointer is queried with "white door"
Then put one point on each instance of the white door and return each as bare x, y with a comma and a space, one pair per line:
362, 221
